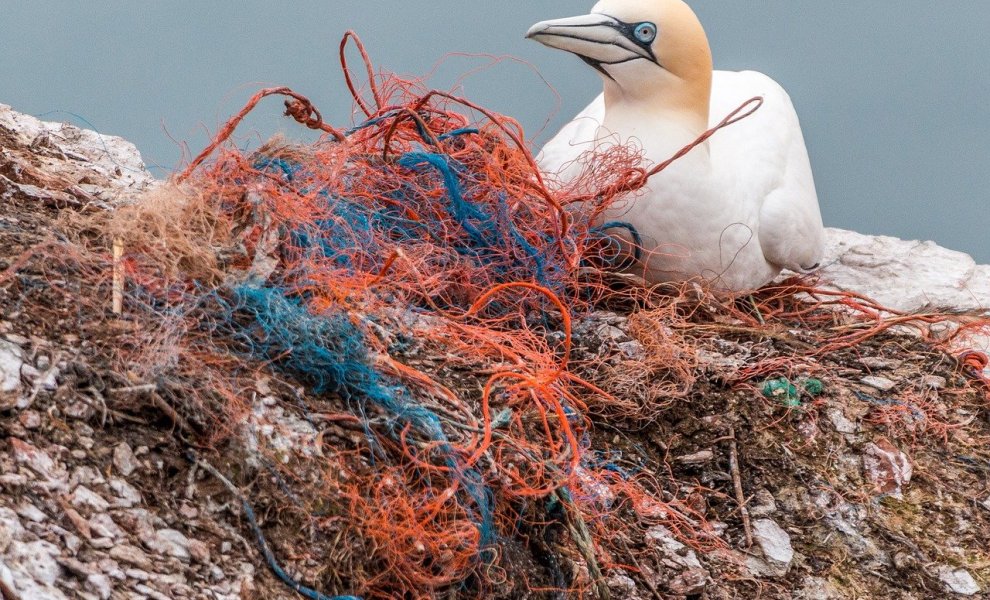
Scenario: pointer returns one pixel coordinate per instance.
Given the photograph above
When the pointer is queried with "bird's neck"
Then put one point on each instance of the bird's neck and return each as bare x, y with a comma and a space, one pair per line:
662, 122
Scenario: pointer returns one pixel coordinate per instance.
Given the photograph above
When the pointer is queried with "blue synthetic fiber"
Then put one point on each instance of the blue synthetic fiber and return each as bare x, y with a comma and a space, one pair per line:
486, 233
458, 132
637, 238
330, 352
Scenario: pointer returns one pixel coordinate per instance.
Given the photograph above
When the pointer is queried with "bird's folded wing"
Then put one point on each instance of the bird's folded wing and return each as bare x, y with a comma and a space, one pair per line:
777, 169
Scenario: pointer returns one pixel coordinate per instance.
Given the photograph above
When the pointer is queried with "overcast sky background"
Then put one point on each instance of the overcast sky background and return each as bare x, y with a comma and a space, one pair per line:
894, 96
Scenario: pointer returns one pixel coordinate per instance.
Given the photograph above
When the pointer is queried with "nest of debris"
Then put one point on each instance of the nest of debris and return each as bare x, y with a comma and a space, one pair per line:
406, 364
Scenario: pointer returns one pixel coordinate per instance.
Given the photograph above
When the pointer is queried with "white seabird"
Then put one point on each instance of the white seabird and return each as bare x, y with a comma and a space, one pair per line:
734, 211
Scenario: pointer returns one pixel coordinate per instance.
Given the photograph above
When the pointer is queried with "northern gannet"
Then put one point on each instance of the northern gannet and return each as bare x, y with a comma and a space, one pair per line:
737, 209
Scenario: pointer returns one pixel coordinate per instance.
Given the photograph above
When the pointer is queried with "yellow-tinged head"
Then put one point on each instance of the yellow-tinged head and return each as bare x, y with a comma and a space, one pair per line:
648, 51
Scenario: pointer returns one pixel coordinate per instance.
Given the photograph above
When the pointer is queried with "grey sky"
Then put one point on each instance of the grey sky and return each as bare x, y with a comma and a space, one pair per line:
894, 96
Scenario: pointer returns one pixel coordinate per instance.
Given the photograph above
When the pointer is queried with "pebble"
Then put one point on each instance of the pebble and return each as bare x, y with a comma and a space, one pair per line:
85, 498
958, 581
775, 543
30, 420
199, 551
123, 459
691, 582
37, 559
878, 363
169, 542
137, 574
31, 513
763, 504
103, 525
127, 494
100, 585
11, 361
131, 555
33, 458
698, 458
881, 383
840, 422
887, 468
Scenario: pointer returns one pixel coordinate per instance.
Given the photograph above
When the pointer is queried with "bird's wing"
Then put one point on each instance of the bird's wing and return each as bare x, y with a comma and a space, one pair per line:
776, 168
558, 159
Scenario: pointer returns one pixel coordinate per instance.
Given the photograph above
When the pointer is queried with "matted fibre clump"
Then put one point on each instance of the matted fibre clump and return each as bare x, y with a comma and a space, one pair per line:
409, 284
420, 231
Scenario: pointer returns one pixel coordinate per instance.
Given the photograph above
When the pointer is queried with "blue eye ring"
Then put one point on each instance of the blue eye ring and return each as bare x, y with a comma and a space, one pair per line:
646, 32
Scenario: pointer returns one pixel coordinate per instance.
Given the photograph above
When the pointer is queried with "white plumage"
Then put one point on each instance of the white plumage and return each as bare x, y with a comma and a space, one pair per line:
734, 211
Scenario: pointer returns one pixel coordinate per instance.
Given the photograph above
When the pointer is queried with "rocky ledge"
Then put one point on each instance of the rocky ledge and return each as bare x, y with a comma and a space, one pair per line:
85, 511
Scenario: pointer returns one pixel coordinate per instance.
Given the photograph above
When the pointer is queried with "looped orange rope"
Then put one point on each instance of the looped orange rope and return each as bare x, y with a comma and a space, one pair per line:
298, 107
369, 68
975, 365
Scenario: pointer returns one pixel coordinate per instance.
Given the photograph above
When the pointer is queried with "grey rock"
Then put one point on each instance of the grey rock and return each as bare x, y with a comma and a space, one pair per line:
958, 581
30, 420
775, 543
31, 513
11, 362
131, 555
127, 495
840, 422
100, 585
698, 458
123, 459
880, 364
103, 525
37, 460
36, 559
880, 383
86, 499
763, 504
137, 574
101, 543
169, 542
11, 529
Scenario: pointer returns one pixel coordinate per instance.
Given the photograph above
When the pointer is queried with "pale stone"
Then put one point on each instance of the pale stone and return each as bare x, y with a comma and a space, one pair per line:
775, 543
100, 585
85, 498
36, 559
31, 513
958, 581
131, 555
169, 542
123, 459
840, 422
905, 275
880, 383
11, 361
887, 468
127, 494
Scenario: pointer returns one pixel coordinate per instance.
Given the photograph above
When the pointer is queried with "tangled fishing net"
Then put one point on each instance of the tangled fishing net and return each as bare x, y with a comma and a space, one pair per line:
385, 319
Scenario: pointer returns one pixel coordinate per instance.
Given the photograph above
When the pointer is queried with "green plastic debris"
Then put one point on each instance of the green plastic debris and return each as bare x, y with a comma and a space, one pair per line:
788, 393
814, 387
783, 391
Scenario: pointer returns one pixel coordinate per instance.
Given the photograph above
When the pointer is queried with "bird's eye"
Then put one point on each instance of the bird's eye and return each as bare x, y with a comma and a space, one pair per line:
646, 32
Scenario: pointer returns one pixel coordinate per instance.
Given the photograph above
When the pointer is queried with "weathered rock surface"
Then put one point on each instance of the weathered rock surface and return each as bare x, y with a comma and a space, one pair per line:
905, 275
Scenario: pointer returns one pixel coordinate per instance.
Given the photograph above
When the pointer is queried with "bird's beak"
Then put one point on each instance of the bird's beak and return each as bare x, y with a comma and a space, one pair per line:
598, 39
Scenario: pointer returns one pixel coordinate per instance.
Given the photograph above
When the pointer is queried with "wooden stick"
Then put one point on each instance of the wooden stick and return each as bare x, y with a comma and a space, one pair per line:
737, 482
118, 276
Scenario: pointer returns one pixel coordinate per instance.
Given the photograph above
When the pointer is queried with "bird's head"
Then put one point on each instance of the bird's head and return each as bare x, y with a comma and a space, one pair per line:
645, 50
